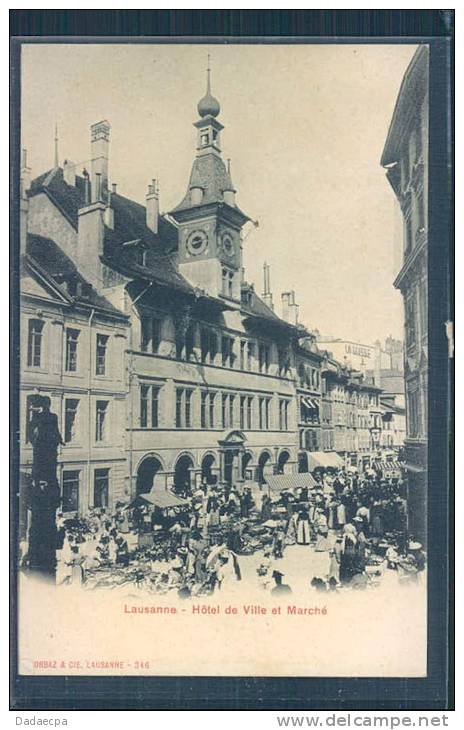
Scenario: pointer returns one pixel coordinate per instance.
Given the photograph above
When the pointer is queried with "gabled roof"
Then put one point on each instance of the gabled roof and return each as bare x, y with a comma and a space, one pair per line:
63, 274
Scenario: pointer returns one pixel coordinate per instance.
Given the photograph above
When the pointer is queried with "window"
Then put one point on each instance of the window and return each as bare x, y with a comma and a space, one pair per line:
231, 411
183, 408
149, 406
224, 410
227, 282
250, 356
141, 255
227, 349
283, 414
31, 410
144, 390
208, 345
189, 342
410, 323
309, 410
101, 419
207, 409
34, 343
249, 414
101, 488
423, 308
227, 410
72, 337
243, 349
264, 404
263, 357
150, 334
311, 441
70, 491
284, 362
70, 419
185, 342
102, 342
242, 410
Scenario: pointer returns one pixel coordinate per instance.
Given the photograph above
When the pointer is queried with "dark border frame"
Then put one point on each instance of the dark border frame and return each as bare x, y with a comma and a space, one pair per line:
435, 27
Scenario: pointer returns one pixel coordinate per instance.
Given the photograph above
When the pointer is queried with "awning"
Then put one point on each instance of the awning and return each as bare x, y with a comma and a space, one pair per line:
324, 460
415, 469
161, 498
309, 402
281, 482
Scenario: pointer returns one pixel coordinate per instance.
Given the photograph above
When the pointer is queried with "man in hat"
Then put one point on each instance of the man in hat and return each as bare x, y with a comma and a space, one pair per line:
279, 588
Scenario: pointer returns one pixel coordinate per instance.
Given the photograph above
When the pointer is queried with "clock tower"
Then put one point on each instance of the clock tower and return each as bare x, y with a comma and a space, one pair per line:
209, 220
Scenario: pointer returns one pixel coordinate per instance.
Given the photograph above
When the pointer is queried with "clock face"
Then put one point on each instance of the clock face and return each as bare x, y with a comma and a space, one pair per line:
197, 242
227, 243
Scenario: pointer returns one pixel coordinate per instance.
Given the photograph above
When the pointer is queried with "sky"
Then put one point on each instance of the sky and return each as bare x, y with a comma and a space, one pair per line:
305, 126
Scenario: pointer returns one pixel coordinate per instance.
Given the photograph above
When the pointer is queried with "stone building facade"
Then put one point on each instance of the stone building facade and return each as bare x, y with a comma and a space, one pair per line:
405, 158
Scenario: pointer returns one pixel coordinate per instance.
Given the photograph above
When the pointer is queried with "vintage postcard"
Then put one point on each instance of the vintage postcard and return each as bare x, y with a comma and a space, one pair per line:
223, 383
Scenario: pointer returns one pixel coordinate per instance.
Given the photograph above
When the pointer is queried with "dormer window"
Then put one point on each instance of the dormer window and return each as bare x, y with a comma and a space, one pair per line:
142, 256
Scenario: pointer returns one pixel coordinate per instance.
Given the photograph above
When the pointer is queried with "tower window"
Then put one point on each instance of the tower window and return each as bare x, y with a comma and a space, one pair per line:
227, 282
204, 139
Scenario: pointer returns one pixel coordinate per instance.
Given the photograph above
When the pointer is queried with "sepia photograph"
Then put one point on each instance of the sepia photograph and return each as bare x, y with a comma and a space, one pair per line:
223, 359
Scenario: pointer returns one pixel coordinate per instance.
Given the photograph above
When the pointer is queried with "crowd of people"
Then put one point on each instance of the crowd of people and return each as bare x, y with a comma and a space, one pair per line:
357, 521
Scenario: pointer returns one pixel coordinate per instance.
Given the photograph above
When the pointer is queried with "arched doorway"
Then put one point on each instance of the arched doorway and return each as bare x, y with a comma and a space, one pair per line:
303, 466
207, 474
146, 474
282, 463
246, 459
182, 478
264, 467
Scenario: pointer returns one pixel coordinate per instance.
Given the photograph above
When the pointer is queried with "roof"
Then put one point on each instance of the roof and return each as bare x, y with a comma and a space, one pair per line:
253, 306
282, 482
209, 173
69, 198
56, 265
129, 225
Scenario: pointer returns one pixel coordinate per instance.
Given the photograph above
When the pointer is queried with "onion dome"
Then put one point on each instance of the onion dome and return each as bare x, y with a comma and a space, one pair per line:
208, 105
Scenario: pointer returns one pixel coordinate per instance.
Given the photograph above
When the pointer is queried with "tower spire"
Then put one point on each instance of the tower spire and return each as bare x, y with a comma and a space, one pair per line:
56, 145
208, 76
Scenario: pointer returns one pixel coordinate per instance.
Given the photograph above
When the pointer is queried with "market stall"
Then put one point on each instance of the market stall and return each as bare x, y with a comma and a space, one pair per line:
324, 460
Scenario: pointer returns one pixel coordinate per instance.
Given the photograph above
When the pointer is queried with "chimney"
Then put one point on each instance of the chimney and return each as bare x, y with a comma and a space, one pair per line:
90, 234
25, 183
109, 213
229, 192
99, 155
267, 296
289, 307
69, 173
152, 207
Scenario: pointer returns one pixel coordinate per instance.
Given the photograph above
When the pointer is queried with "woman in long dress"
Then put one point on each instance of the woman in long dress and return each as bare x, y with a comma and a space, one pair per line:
322, 532
303, 530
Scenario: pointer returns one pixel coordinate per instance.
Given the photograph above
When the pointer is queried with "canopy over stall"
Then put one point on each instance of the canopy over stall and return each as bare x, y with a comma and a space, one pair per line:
282, 482
162, 498
324, 460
